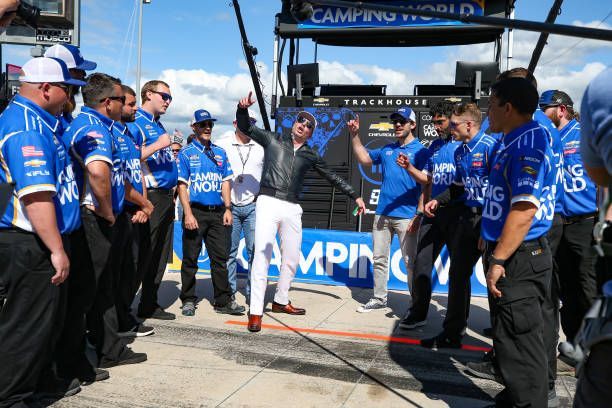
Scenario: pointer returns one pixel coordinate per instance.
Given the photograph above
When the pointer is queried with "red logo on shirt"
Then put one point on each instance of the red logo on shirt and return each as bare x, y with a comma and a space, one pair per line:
30, 151
94, 135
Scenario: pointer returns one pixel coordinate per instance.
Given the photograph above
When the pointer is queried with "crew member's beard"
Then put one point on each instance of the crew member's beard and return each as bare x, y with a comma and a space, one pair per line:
128, 118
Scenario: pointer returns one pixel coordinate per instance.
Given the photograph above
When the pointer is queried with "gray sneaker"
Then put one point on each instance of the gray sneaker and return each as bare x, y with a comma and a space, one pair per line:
231, 308
189, 309
372, 304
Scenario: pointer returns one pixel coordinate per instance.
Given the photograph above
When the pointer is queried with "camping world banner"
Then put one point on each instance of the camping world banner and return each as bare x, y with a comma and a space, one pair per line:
343, 17
338, 258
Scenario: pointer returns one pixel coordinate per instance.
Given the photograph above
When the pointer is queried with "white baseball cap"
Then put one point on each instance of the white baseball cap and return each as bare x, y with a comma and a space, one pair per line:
71, 55
39, 70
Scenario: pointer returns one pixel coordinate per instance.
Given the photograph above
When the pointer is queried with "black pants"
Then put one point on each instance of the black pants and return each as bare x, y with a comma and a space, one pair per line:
433, 234
28, 315
136, 251
518, 338
578, 282
217, 238
593, 388
463, 258
161, 225
550, 308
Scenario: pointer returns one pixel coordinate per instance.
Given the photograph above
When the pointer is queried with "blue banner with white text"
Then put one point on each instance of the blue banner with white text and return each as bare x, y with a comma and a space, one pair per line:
331, 257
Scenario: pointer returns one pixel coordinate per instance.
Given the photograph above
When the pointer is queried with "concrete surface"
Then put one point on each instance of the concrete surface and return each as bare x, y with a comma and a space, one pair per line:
350, 360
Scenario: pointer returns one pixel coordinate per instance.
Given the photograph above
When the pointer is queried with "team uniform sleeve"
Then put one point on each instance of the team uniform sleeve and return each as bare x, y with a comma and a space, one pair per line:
459, 168
30, 164
183, 168
421, 158
137, 132
525, 176
227, 168
375, 155
94, 143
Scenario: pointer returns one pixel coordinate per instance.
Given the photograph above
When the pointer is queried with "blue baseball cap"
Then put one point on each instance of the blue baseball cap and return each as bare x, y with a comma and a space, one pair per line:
405, 113
71, 55
554, 97
201, 115
43, 69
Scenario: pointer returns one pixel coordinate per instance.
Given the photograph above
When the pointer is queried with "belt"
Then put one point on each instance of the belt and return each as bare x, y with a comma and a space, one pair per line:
575, 218
15, 230
537, 242
166, 191
272, 192
207, 208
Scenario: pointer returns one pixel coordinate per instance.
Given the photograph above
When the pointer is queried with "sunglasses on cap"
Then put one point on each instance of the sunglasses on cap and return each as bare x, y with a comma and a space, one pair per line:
305, 122
205, 123
166, 97
115, 98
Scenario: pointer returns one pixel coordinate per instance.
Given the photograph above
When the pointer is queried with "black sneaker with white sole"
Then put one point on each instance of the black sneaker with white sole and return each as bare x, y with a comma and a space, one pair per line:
411, 322
140, 330
485, 369
231, 308
127, 356
441, 341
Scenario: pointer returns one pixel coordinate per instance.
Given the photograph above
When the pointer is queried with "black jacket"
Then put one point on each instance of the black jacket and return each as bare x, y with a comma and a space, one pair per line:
284, 170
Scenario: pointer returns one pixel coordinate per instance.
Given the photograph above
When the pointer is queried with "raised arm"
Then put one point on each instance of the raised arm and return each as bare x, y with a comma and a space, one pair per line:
361, 153
262, 137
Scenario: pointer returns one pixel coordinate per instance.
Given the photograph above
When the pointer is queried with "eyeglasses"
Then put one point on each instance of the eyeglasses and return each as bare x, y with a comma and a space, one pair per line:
176, 150
401, 122
206, 123
166, 97
64, 87
454, 125
305, 122
115, 98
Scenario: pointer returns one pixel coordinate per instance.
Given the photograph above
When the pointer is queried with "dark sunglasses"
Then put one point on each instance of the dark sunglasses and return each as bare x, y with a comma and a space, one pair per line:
165, 96
66, 88
176, 150
115, 98
401, 122
454, 125
205, 123
305, 122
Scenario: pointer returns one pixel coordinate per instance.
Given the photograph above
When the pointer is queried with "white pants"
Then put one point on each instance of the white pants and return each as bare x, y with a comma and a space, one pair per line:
382, 234
271, 216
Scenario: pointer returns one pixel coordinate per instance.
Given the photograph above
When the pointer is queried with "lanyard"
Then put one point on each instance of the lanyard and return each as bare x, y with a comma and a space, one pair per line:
242, 159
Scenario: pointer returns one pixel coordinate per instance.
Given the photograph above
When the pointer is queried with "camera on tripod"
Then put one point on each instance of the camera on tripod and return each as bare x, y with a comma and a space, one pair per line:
27, 14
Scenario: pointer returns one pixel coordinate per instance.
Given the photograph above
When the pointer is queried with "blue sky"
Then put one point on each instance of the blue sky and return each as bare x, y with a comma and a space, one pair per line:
195, 45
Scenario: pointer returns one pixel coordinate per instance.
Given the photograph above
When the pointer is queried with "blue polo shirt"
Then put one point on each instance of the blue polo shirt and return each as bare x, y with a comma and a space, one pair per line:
65, 119
474, 160
522, 171
441, 164
557, 150
133, 171
399, 193
160, 168
90, 139
204, 170
580, 191
35, 160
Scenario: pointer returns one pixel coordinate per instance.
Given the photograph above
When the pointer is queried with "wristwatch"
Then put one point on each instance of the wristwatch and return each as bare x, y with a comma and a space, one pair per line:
496, 261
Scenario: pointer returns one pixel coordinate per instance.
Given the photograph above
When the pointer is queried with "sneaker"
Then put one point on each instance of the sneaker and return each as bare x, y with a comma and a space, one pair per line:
188, 309
140, 330
441, 341
127, 357
484, 370
55, 388
96, 375
231, 308
411, 322
158, 313
553, 400
372, 304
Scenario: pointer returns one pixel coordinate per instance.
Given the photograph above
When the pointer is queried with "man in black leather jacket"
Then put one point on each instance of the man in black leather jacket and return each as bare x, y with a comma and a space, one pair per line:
286, 160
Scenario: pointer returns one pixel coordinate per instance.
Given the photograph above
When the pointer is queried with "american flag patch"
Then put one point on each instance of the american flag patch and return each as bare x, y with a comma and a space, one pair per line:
30, 151
94, 134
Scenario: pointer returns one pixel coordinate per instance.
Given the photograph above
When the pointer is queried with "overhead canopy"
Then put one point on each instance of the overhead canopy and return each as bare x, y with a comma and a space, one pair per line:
368, 28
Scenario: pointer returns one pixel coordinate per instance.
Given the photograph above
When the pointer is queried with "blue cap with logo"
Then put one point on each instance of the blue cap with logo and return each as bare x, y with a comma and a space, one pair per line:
201, 115
405, 113
71, 55
554, 97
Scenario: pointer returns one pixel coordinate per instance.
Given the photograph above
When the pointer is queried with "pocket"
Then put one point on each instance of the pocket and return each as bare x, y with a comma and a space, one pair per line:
522, 315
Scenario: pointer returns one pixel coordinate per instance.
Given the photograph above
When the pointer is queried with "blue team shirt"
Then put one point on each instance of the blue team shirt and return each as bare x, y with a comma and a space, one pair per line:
133, 171
580, 191
474, 160
35, 160
204, 171
399, 193
522, 171
65, 119
557, 149
441, 165
159, 169
90, 138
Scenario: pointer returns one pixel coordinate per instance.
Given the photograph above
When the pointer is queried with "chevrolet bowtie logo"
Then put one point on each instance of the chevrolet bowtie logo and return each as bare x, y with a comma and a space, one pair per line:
320, 100
382, 126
